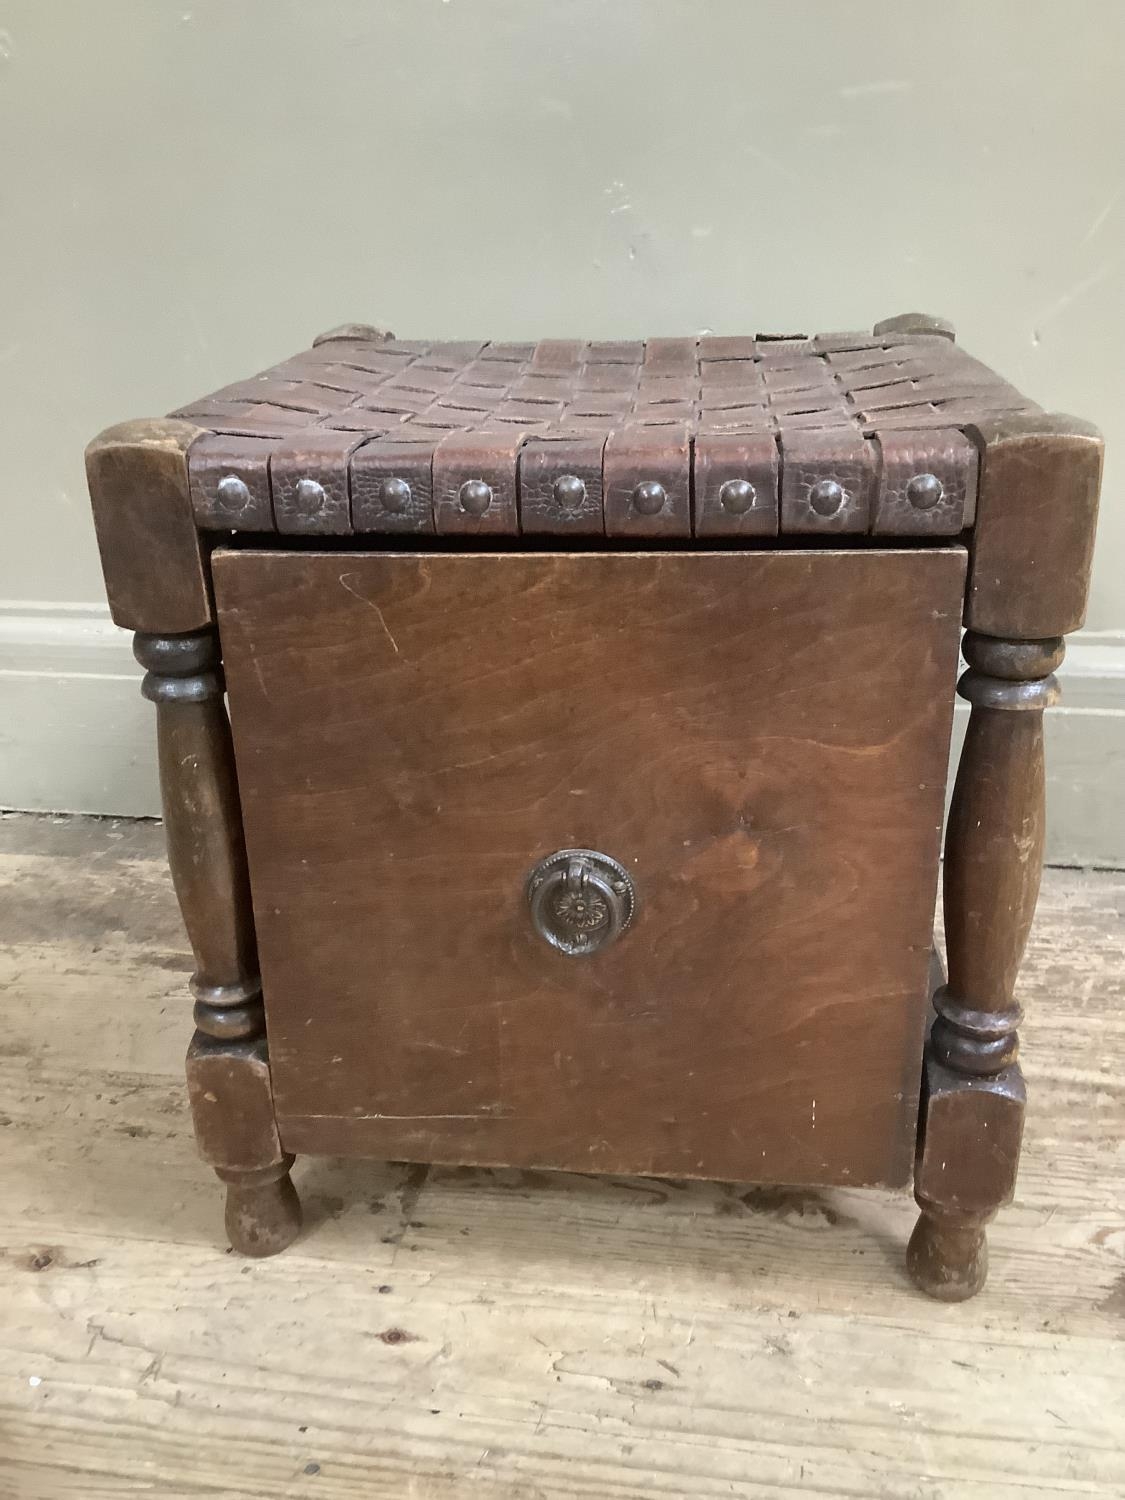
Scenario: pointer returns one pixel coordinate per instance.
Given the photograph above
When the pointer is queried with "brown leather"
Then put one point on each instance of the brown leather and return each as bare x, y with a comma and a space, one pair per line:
828, 480
564, 432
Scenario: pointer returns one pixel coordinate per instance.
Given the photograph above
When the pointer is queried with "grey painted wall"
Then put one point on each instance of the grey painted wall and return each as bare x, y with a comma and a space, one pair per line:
192, 190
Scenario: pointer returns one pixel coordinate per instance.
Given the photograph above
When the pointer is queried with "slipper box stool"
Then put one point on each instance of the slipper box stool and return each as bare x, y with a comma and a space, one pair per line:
590, 706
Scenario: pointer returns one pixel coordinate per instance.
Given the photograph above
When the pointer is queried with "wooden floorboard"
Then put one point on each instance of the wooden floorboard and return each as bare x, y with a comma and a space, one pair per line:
516, 1335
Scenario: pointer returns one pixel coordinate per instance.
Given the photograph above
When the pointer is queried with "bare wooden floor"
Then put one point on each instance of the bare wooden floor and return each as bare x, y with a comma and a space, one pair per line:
483, 1334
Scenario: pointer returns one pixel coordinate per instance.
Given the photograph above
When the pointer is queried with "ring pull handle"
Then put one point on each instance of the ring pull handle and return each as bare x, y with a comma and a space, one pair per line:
580, 900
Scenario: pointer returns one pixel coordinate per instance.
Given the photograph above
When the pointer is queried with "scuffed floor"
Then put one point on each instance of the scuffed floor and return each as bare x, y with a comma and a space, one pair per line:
488, 1334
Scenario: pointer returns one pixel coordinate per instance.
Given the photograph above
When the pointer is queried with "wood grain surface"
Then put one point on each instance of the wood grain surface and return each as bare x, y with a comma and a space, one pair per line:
152, 556
1037, 511
507, 1335
761, 740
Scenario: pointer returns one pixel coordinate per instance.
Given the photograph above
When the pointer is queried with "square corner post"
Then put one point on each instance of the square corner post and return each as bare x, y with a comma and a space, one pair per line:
156, 571
1028, 582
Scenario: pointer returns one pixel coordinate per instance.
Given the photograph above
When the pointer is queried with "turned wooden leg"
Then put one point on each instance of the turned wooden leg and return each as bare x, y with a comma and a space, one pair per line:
263, 1211
227, 1062
948, 1254
973, 1100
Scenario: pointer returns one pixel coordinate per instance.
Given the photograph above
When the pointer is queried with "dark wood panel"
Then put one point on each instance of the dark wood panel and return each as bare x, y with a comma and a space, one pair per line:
152, 558
761, 739
1033, 545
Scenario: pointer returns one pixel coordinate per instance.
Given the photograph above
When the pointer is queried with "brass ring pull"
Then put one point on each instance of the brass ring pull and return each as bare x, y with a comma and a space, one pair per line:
580, 900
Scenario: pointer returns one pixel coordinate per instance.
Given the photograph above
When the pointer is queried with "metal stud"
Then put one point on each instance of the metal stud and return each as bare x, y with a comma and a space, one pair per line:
737, 496
649, 498
925, 491
311, 498
395, 495
827, 496
475, 497
569, 491
234, 493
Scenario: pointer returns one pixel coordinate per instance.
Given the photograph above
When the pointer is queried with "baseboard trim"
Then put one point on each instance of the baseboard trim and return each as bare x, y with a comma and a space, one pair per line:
76, 736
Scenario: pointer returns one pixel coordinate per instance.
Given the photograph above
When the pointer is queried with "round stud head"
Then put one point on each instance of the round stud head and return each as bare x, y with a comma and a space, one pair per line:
649, 498
569, 491
737, 496
925, 491
827, 496
475, 497
395, 495
234, 494
310, 497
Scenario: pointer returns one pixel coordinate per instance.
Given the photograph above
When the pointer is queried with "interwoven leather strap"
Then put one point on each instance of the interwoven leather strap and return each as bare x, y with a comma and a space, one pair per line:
670, 437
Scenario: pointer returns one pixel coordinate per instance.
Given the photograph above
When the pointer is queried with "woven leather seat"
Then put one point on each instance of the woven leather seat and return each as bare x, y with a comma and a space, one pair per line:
365, 433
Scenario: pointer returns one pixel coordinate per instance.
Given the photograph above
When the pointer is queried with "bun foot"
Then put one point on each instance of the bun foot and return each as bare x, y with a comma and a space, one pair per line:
948, 1256
263, 1212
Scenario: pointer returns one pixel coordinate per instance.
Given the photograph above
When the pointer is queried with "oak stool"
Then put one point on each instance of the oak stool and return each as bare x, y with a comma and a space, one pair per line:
590, 707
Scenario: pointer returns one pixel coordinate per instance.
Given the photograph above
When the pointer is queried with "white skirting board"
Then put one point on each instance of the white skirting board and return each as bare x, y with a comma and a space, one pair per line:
75, 733
76, 736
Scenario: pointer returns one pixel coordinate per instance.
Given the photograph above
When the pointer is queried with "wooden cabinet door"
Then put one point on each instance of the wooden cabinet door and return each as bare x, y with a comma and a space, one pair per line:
760, 738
